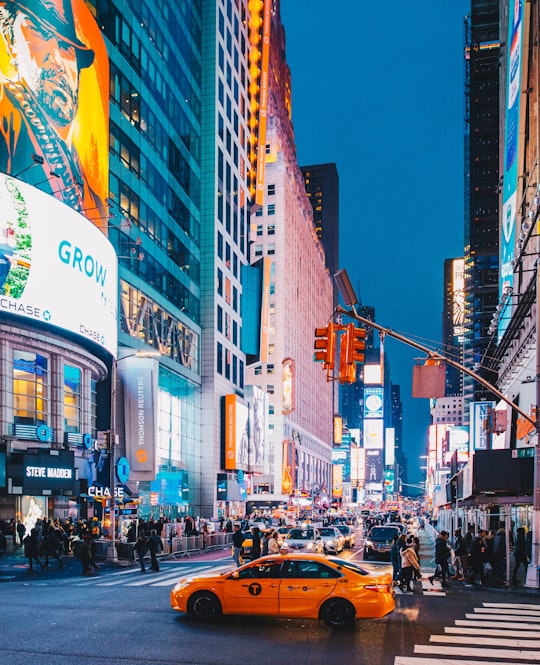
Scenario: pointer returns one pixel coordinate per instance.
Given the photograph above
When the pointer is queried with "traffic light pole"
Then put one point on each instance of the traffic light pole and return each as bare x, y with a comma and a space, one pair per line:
434, 355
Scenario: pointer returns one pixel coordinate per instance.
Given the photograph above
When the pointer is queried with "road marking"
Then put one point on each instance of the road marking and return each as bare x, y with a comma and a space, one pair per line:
495, 632
502, 617
478, 640
499, 624
509, 610
412, 660
533, 656
524, 606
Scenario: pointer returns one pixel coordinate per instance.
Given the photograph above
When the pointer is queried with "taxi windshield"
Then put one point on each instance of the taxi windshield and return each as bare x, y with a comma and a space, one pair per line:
301, 534
327, 531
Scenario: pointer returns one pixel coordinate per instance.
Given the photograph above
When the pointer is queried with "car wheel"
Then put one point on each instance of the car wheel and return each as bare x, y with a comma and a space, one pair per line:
204, 606
337, 613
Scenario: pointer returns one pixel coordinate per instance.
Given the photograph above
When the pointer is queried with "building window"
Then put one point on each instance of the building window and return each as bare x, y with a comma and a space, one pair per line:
72, 399
258, 250
270, 389
258, 213
271, 229
271, 190
219, 359
259, 229
271, 249
271, 409
271, 208
258, 370
220, 319
30, 388
270, 368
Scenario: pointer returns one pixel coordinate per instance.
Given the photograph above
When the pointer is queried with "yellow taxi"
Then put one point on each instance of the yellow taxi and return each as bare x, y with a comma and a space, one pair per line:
306, 586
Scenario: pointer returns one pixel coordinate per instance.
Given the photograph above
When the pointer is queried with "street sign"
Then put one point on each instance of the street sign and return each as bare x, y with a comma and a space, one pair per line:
522, 452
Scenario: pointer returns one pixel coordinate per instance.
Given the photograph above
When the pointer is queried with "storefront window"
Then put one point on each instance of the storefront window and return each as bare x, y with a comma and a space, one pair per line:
30, 388
72, 399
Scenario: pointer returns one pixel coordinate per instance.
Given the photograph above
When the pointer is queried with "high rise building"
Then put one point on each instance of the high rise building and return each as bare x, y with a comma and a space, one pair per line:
482, 51
300, 298
322, 188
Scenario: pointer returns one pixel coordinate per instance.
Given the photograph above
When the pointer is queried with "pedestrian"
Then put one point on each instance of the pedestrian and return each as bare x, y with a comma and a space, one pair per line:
273, 543
21, 532
476, 561
237, 539
265, 541
3, 543
520, 554
255, 543
499, 556
84, 552
141, 547
32, 548
395, 556
442, 554
462, 555
53, 546
409, 565
156, 547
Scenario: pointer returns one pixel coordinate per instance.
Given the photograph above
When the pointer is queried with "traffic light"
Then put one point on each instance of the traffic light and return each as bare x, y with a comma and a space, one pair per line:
325, 346
357, 343
347, 368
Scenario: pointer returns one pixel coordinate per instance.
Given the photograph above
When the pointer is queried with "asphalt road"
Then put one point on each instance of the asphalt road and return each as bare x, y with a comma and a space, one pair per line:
121, 617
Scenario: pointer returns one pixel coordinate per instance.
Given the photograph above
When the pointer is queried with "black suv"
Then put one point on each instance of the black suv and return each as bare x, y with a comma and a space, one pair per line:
379, 541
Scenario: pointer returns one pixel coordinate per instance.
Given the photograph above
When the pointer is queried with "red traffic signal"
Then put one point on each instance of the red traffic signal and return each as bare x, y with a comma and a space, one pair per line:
357, 344
347, 368
325, 345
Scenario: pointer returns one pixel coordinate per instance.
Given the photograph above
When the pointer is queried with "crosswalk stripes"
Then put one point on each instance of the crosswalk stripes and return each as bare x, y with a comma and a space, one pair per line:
507, 632
132, 577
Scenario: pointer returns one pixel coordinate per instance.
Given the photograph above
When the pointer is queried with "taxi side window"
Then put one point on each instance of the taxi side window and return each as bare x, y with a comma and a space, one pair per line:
311, 570
267, 570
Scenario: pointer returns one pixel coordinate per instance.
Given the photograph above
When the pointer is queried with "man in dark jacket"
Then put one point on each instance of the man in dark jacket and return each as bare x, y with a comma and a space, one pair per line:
442, 554
237, 539
520, 554
156, 547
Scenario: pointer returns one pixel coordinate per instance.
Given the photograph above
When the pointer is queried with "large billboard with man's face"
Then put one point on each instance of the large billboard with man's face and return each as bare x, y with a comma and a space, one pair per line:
54, 119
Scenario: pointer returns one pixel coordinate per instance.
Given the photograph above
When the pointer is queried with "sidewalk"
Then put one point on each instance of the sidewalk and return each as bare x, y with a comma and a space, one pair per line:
14, 566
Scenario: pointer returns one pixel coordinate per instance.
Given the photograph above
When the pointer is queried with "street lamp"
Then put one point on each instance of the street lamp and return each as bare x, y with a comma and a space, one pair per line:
112, 555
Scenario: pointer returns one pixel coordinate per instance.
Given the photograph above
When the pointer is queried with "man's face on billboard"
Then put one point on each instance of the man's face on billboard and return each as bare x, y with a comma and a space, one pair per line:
48, 67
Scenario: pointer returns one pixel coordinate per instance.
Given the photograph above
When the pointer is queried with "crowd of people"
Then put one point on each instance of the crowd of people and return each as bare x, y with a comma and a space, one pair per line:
479, 556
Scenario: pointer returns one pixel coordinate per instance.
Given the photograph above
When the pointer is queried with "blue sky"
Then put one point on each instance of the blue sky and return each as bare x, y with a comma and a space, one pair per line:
378, 89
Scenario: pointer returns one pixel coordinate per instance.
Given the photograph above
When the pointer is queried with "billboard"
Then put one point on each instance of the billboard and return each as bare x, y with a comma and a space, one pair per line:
54, 117
373, 402
55, 266
257, 447
48, 473
236, 433
139, 376
480, 417
374, 433
511, 149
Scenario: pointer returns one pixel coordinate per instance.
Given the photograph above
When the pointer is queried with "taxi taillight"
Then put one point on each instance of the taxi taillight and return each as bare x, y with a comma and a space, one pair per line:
379, 588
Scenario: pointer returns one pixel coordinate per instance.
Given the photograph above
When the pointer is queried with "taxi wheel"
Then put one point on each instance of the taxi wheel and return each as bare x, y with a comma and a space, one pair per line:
337, 613
204, 606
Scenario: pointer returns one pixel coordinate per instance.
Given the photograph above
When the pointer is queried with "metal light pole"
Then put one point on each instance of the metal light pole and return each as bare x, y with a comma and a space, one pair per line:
112, 554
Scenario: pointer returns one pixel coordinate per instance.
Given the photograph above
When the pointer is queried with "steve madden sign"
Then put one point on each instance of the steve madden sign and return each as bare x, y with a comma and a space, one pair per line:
48, 473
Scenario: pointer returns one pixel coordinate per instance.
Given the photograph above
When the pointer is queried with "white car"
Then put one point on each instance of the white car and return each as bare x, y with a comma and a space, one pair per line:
333, 540
305, 540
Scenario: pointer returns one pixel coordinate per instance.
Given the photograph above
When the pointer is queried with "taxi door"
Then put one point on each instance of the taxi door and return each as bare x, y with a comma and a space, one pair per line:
253, 589
304, 585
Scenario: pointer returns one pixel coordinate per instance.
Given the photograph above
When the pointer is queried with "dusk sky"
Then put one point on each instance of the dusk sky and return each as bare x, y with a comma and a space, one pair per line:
379, 91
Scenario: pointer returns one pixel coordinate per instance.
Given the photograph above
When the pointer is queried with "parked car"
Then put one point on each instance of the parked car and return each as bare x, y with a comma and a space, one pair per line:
307, 586
348, 534
379, 541
333, 540
303, 540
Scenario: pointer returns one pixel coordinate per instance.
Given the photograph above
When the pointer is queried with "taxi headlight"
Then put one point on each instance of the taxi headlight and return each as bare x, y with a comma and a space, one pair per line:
368, 543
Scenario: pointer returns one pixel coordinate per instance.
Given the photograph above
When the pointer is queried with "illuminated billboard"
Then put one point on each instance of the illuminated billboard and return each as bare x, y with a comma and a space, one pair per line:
55, 266
373, 402
54, 117
511, 167
374, 433
236, 433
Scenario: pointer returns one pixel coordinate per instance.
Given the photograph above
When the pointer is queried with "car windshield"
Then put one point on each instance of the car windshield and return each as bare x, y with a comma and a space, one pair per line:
349, 565
343, 528
301, 534
383, 532
327, 531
